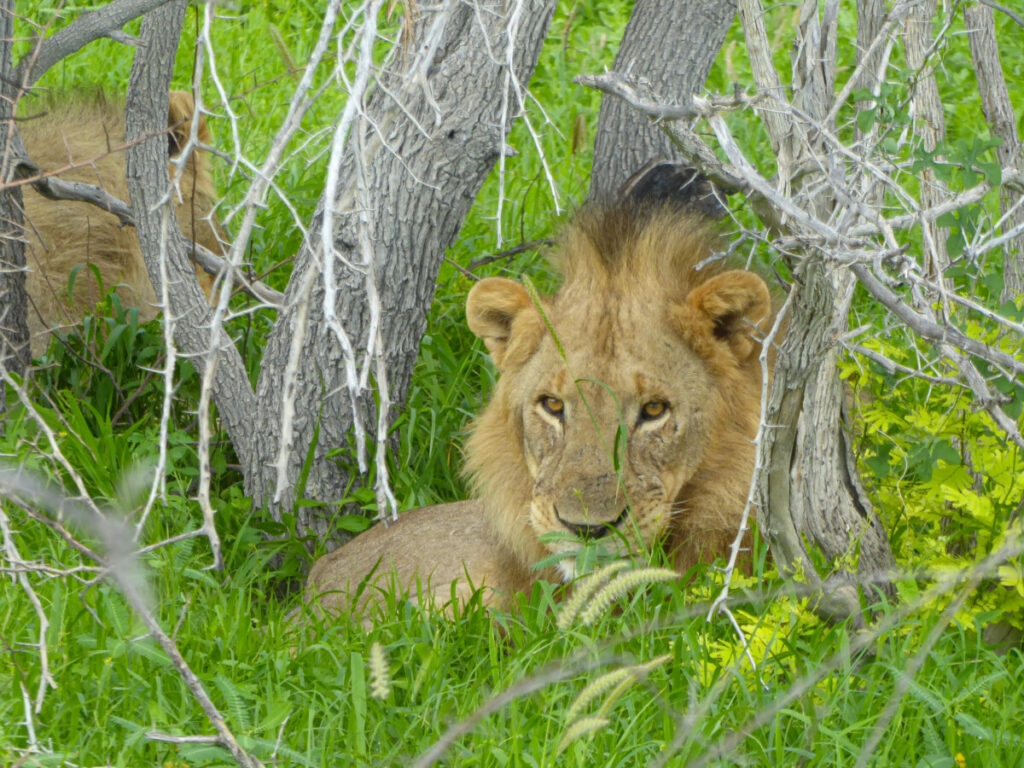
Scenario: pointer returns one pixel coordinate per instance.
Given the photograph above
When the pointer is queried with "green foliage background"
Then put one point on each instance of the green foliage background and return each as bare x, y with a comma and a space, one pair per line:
945, 483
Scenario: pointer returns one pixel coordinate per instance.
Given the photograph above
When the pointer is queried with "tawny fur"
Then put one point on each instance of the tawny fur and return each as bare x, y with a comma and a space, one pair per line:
639, 324
83, 139
632, 301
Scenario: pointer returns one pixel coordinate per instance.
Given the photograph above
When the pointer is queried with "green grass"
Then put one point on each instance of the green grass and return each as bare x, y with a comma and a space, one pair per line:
302, 697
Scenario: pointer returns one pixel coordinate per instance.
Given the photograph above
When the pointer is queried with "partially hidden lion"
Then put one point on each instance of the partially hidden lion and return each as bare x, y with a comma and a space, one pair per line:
83, 139
624, 414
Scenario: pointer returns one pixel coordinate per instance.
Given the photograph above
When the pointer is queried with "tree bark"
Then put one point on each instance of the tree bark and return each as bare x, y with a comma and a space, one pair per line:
427, 138
811, 507
14, 354
995, 101
672, 46
926, 107
164, 248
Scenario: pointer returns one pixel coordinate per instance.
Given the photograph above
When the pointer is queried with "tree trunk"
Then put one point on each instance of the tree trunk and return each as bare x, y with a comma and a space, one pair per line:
164, 248
416, 156
811, 507
672, 46
926, 108
995, 101
14, 355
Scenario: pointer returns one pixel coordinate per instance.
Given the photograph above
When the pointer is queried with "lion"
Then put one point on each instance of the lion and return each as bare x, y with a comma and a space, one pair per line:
83, 139
624, 416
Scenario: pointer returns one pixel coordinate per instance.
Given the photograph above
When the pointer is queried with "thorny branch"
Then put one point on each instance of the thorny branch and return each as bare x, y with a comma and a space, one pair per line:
54, 188
119, 564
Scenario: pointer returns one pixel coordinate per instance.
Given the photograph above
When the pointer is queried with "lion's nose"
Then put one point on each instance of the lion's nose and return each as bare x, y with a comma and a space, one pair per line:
588, 531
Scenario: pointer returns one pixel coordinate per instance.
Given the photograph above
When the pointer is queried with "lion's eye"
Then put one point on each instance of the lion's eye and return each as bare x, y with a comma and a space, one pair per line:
552, 405
653, 410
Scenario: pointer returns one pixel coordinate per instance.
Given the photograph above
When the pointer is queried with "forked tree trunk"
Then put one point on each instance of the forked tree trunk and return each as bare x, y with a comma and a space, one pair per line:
672, 46
13, 299
402, 203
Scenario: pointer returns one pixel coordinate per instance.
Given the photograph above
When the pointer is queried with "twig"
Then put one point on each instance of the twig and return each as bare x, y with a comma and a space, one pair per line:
58, 189
630, 91
529, 245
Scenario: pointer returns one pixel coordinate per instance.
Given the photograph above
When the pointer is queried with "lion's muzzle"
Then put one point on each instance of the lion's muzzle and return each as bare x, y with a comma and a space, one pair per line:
588, 531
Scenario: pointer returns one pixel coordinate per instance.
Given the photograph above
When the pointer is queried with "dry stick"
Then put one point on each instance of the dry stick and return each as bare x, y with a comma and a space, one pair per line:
224, 735
159, 483
893, 367
1003, 9
337, 200
300, 104
58, 189
45, 677
120, 566
529, 245
691, 146
719, 603
930, 330
762, 194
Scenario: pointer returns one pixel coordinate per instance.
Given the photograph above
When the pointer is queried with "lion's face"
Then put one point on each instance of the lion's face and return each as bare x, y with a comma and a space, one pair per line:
609, 403
610, 435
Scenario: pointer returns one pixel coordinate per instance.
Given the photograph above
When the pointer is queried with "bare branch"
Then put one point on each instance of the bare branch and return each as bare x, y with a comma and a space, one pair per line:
1003, 9
86, 28
529, 245
930, 330
122, 567
53, 188
619, 85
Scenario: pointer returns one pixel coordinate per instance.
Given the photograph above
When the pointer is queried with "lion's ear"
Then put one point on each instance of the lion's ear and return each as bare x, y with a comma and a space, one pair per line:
725, 308
180, 111
492, 307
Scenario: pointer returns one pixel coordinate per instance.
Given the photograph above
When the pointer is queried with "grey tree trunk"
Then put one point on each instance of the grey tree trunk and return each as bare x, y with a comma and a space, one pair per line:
995, 101
672, 46
14, 354
812, 509
163, 246
414, 162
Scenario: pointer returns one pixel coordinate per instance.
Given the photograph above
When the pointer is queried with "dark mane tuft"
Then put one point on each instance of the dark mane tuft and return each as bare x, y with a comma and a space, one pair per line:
652, 238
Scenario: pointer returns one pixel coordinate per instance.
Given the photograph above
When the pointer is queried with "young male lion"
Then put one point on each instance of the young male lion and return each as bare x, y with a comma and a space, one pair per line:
82, 139
624, 413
